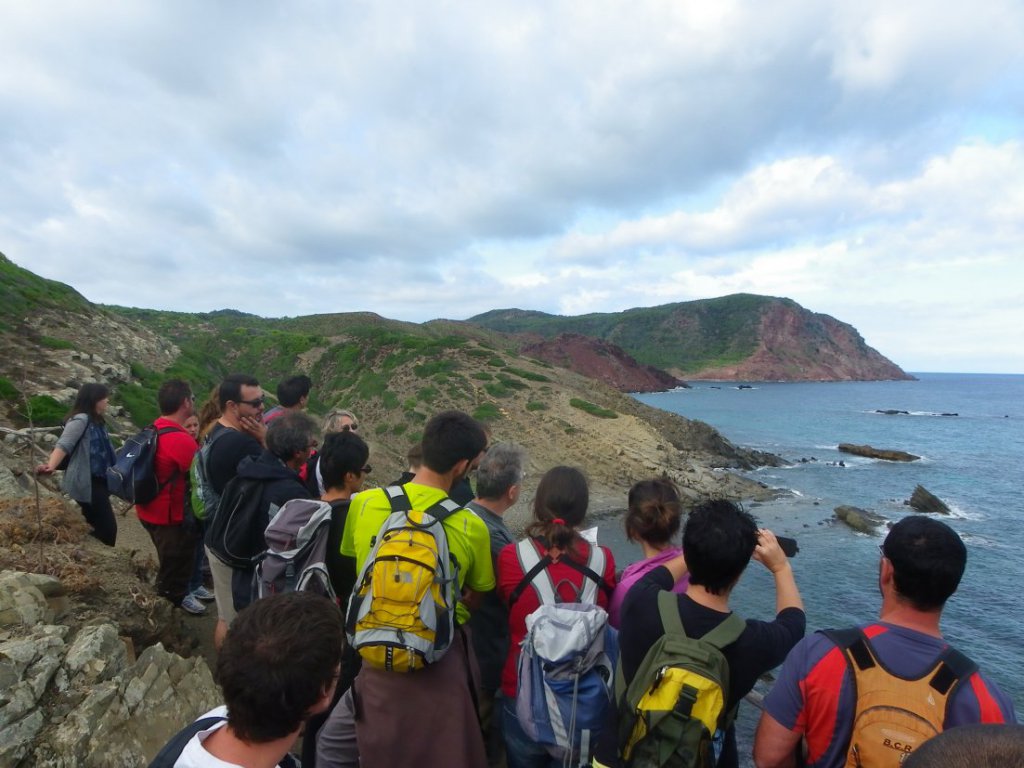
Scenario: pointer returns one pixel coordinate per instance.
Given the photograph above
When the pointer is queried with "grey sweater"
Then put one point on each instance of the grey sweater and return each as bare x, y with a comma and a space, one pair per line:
74, 441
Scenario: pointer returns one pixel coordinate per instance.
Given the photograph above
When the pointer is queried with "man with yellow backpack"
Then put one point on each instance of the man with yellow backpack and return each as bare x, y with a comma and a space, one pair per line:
869, 695
421, 560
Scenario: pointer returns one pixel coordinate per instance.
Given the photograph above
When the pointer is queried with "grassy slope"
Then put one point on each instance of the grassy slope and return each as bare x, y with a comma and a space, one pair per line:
684, 336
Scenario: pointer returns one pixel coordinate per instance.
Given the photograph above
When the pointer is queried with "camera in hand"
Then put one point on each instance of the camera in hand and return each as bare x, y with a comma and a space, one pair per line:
788, 545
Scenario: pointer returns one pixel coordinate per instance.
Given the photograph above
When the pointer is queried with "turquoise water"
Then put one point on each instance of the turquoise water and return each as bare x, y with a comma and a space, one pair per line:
974, 461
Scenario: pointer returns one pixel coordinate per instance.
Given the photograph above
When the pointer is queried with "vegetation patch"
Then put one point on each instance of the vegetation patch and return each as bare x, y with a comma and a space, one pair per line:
434, 367
51, 343
481, 376
427, 394
512, 383
487, 412
7, 390
45, 411
496, 361
497, 389
390, 400
529, 375
536, 405
594, 410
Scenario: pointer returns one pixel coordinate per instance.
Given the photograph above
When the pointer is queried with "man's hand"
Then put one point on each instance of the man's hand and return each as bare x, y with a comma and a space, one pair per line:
254, 427
768, 552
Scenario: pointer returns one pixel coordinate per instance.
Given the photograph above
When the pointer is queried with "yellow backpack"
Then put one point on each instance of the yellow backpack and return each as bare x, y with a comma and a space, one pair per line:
401, 616
894, 715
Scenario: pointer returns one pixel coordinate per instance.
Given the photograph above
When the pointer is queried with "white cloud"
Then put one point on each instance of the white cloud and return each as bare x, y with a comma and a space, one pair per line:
560, 156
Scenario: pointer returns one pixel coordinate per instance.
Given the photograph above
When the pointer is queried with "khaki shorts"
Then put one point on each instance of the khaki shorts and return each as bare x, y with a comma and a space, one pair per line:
222, 588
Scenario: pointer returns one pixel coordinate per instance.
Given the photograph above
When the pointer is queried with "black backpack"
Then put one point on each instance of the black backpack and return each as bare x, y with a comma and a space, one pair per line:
133, 475
235, 533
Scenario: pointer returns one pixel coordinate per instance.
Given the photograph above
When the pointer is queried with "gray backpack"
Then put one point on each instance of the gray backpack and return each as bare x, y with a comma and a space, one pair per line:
296, 556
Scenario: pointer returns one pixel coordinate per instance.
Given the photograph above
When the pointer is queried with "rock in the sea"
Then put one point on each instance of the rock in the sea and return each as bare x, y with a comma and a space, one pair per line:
924, 500
858, 519
877, 453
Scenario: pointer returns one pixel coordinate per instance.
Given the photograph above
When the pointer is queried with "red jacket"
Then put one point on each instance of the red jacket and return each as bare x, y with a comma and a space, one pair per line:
174, 452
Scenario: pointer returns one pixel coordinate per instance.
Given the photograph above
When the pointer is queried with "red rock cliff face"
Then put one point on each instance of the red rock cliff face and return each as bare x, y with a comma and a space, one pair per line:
798, 345
601, 360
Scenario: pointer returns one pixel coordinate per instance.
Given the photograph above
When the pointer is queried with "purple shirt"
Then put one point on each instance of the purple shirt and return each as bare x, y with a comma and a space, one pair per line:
634, 573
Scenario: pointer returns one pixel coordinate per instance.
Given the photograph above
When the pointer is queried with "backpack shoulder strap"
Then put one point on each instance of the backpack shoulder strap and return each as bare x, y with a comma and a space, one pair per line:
398, 498
854, 645
727, 632
168, 756
593, 580
443, 509
532, 564
668, 608
953, 668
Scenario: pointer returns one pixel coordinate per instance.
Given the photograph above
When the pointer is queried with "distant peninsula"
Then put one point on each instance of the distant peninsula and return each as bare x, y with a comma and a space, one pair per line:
743, 337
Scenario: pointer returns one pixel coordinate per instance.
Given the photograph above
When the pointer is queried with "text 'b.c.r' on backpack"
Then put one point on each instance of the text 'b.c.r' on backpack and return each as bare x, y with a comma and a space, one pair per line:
401, 616
673, 713
895, 715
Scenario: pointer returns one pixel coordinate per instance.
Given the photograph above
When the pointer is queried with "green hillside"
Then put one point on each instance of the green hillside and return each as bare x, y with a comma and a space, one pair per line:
22, 292
683, 336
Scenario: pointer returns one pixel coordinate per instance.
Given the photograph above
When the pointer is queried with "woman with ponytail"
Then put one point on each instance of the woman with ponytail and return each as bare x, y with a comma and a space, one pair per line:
558, 512
653, 522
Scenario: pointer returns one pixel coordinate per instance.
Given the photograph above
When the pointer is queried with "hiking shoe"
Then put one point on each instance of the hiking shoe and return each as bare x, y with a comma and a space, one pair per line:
203, 594
192, 605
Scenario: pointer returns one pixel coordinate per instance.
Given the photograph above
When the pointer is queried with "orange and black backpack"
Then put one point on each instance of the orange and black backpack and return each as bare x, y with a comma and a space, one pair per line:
894, 715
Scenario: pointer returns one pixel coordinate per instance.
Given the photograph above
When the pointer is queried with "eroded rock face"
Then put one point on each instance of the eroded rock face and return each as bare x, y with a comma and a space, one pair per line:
601, 360
877, 453
76, 697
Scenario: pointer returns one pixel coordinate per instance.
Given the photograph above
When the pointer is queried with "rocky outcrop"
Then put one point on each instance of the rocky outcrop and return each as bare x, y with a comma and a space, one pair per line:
877, 453
924, 500
601, 360
860, 520
794, 344
77, 696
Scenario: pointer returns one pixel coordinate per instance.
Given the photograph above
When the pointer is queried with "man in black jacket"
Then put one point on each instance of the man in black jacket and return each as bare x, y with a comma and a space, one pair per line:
290, 439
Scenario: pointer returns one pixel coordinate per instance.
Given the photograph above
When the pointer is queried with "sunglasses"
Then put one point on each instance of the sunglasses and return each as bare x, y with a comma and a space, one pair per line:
367, 469
257, 403
350, 428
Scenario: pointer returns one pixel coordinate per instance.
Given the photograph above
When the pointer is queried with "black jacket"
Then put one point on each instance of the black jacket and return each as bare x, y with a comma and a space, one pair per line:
281, 482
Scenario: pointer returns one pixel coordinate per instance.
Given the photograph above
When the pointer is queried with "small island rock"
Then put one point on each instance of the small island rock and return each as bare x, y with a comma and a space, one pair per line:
877, 453
924, 500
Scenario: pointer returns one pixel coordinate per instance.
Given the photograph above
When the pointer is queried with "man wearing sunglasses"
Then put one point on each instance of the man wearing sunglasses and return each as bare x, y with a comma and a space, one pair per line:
238, 433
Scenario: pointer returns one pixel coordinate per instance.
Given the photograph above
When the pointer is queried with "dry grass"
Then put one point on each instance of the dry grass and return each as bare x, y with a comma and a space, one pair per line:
48, 542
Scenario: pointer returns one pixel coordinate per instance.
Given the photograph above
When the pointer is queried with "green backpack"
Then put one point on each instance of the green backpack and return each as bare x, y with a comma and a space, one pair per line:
673, 713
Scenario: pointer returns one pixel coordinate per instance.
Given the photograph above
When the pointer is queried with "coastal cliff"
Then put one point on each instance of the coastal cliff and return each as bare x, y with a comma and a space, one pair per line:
740, 338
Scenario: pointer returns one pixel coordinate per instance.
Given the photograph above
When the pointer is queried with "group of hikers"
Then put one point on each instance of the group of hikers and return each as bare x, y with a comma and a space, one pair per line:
406, 625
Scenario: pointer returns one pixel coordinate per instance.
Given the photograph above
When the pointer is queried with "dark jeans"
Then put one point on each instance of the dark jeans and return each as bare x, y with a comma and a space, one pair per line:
99, 514
196, 579
176, 552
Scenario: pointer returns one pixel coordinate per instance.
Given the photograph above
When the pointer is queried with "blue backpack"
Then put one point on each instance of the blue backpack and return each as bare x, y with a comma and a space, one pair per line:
567, 660
133, 474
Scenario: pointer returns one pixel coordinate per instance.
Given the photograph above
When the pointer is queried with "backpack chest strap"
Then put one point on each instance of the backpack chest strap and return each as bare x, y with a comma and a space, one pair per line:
533, 565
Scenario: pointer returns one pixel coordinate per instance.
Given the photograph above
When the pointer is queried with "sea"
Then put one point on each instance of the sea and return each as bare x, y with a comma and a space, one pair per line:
968, 430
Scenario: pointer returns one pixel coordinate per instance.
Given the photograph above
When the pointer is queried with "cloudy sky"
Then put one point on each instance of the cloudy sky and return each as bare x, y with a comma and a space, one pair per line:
419, 159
